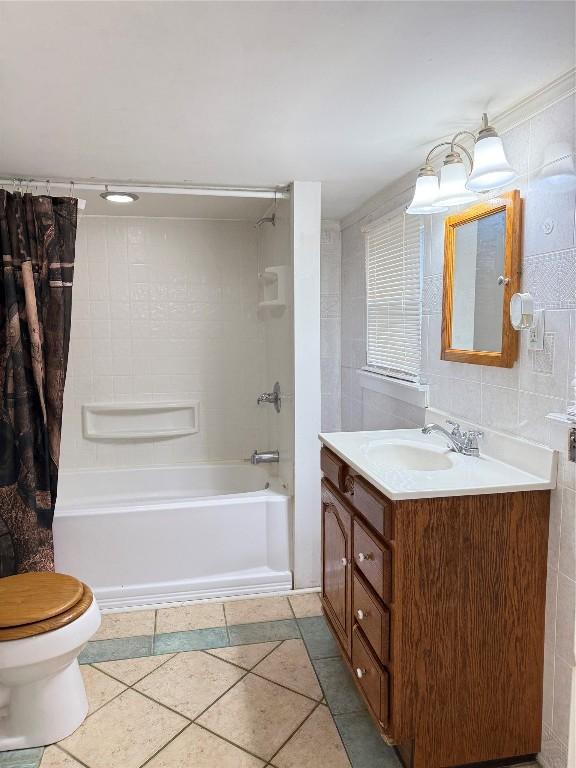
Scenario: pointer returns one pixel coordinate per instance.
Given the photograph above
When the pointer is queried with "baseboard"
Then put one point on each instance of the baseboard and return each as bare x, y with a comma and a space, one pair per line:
154, 595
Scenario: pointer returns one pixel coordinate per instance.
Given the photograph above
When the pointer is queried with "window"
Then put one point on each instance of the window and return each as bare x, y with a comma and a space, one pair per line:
393, 295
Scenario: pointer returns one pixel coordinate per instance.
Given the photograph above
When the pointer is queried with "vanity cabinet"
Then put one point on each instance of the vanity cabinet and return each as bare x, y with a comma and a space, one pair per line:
438, 607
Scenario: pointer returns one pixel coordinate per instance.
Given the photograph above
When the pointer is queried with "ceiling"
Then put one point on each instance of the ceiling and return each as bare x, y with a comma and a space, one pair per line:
260, 93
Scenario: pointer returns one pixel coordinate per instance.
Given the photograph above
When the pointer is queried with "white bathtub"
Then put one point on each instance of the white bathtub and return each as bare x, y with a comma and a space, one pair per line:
155, 535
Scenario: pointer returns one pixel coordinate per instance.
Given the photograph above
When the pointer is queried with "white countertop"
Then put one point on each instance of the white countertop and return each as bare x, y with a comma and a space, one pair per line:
383, 458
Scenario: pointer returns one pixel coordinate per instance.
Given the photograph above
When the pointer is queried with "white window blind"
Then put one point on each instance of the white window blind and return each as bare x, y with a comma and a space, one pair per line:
393, 294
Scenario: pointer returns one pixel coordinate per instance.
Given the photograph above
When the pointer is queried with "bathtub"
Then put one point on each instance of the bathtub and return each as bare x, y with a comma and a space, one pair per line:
157, 535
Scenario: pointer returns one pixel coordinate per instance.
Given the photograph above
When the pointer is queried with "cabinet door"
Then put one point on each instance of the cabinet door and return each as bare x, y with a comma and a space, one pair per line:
337, 565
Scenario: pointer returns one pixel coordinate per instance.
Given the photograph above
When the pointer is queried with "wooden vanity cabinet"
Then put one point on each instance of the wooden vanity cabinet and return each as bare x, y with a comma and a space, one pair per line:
438, 607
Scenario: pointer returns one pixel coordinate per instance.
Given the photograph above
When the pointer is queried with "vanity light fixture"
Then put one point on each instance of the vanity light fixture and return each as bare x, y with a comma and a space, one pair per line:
489, 169
453, 178
118, 197
433, 195
426, 192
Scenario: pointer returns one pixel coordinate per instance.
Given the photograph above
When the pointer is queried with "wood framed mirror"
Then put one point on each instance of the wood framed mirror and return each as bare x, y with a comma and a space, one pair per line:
482, 265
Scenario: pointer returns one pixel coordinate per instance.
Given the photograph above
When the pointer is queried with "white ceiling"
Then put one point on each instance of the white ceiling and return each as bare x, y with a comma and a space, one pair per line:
259, 93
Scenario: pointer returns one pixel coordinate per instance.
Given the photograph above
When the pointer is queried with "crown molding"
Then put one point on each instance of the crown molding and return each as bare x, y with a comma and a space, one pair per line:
537, 102
388, 198
532, 105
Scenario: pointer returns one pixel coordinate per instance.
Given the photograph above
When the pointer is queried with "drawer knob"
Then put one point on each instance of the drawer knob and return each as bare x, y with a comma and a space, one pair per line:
360, 673
344, 561
360, 615
362, 557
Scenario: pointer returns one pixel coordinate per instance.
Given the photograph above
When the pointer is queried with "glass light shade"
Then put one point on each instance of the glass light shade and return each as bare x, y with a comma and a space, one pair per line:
425, 195
491, 169
453, 190
119, 197
558, 173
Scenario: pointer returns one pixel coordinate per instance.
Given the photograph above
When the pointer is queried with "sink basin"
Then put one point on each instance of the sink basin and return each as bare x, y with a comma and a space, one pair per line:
405, 455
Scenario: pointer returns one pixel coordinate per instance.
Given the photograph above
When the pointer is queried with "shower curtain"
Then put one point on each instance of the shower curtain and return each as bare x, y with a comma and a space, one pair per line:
37, 240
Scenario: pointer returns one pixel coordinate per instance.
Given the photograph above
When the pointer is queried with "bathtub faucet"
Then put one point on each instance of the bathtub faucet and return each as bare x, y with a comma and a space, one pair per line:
265, 457
273, 397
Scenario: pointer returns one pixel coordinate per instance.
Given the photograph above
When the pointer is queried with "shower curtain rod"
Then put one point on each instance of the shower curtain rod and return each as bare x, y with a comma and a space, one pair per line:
144, 187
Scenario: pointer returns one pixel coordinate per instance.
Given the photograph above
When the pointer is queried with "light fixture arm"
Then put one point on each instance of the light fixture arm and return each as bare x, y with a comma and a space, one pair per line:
451, 144
429, 155
454, 143
462, 133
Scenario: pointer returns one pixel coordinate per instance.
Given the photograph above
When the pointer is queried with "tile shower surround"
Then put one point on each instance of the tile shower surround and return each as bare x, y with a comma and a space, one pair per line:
269, 693
164, 310
512, 400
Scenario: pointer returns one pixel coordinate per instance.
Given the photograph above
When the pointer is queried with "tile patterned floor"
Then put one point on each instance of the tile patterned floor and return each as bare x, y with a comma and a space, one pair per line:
246, 684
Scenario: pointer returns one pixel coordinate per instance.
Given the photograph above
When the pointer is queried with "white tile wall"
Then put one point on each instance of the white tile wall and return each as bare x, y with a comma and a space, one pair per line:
165, 309
515, 400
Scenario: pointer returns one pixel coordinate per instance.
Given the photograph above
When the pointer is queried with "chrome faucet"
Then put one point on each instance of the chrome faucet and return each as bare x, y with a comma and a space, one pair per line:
465, 443
271, 397
265, 457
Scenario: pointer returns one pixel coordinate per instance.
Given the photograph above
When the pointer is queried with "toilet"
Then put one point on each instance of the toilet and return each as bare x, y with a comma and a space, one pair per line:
45, 621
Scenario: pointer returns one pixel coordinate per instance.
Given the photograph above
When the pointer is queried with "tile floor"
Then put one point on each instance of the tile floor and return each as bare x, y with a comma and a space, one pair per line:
255, 683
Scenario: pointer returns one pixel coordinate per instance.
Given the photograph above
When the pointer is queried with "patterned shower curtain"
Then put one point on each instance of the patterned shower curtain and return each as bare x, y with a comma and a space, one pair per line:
37, 241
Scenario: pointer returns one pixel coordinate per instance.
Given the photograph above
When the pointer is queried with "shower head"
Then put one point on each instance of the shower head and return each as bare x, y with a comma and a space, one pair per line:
267, 220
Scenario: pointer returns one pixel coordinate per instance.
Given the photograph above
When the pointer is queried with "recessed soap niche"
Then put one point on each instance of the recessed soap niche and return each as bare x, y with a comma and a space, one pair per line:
129, 421
272, 287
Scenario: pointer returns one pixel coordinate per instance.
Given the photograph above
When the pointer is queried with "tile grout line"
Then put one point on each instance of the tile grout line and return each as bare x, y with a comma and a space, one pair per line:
165, 706
295, 731
131, 685
219, 736
106, 702
286, 688
278, 644
293, 611
217, 699
66, 752
158, 751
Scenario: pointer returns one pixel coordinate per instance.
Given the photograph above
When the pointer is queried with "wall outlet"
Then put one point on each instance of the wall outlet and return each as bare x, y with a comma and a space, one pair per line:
536, 333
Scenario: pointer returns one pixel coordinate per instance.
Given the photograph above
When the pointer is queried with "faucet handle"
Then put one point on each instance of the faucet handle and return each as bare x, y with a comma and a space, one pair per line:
457, 430
471, 441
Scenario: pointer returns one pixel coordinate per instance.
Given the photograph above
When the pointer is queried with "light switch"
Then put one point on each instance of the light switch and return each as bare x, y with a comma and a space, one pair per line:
536, 332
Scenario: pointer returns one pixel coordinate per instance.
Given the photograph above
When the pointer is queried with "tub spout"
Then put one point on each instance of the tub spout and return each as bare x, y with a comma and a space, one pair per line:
265, 457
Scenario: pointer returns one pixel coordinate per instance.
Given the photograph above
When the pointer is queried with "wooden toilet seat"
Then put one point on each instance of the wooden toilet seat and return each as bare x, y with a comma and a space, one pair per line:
35, 603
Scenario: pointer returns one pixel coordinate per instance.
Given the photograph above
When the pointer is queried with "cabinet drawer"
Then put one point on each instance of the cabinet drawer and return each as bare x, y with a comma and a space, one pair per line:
335, 470
373, 680
374, 507
374, 561
372, 619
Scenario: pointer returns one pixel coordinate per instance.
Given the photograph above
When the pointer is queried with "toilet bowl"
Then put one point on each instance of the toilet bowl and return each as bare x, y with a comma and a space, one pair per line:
45, 621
